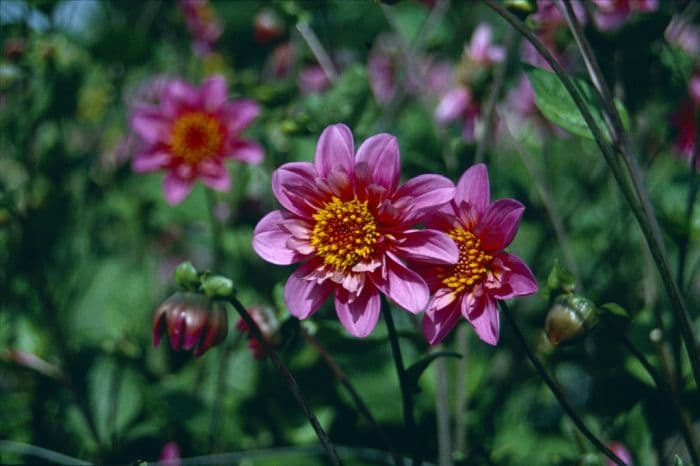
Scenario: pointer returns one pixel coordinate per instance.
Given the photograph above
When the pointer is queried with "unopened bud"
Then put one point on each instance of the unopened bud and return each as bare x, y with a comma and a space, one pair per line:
193, 321
217, 286
570, 317
521, 8
621, 452
185, 276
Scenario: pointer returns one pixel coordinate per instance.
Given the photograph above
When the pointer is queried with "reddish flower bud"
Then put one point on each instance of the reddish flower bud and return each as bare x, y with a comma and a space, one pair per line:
193, 321
267, 323
267, 26
621, 452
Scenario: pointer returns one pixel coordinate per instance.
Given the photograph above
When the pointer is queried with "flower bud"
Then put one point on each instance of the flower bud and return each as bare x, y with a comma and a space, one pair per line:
569, 318
267, 26
621, 452
217, 286
268, 324
186, 276
192, 320
521, 8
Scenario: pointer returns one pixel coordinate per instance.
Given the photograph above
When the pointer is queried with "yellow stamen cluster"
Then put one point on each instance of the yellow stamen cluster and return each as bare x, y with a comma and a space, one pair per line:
344, 233
196, 136
473, 262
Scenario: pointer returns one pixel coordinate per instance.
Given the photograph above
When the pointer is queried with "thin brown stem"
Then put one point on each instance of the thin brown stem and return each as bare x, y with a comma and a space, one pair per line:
406, 395
354, 394
556, 391
668, 387
288, 378
635, 195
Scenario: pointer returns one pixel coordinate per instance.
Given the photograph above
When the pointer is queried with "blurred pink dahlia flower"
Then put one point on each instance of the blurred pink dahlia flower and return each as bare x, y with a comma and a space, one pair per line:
481, 49
348, 221
611, 14
484, 273
190, 133
202, 24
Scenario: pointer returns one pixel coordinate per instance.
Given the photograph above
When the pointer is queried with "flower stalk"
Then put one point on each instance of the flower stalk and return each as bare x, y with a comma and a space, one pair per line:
288, 378
406, 395
635, 195
556, 391
354, 394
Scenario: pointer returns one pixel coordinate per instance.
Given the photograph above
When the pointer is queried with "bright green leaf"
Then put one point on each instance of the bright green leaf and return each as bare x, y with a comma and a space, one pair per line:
558, 106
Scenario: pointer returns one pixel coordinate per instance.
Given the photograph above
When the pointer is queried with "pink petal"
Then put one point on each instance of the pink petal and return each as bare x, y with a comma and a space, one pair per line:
381, 154
438, 322
285, 181
480, 43
240, 114
150, 124
213, 93
218, 181
428, 246
483, 315
499, 224
404, 286
270, 240
178, 95
247, 151
304, 297
452, 105
473, 187
150, 161
426, 191
335, 149
176, 188
360, 316
517, 281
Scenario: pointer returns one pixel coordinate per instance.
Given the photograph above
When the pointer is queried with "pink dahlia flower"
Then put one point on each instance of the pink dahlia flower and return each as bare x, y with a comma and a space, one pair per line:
459, 104
202, 23
348, 221
190, 133
611, 14
484, 273
480, 48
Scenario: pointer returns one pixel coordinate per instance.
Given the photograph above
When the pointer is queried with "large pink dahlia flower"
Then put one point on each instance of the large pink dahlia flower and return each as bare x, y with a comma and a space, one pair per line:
350, 223
484, 273
189, 134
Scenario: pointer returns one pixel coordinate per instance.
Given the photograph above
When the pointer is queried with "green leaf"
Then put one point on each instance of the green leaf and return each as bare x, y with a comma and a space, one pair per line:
558, 106
414, 372
677, 461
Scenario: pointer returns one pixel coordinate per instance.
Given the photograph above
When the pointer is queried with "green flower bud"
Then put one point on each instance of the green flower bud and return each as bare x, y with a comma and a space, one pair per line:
521, 8
185, 276
569, 318
217, 286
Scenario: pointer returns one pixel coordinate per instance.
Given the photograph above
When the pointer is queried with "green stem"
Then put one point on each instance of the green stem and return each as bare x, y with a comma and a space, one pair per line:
667, 387
354, 394
217, 405
216, 232
288, 378
635, 197
556, 391
496, 89
406, 395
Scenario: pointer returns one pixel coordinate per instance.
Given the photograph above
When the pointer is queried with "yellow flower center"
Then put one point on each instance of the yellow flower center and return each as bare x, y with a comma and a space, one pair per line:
196, 136
473, 262
344, 233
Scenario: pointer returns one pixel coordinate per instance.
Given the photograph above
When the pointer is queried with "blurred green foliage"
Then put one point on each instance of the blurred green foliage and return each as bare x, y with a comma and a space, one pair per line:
87, 247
